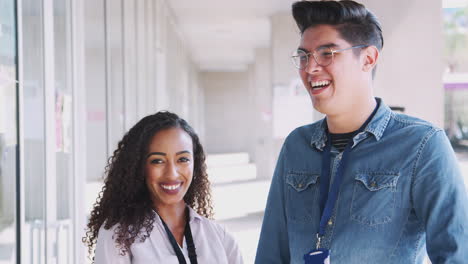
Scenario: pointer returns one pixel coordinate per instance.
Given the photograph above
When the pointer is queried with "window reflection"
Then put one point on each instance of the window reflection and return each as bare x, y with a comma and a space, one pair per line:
62, 226
33, 127
8, 133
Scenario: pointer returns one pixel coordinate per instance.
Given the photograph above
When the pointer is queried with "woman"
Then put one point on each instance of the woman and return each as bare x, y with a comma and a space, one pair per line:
155, 203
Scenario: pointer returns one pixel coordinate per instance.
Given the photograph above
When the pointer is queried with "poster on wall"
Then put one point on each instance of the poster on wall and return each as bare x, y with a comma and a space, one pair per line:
292, 108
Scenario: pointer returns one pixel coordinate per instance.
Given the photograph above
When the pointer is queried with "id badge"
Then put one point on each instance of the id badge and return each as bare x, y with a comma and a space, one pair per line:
317, 256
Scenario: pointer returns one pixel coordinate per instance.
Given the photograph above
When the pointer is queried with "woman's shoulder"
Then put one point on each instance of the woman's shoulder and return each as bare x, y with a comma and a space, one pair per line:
107, 237
208, 223
215, 229
107, 232
107, 250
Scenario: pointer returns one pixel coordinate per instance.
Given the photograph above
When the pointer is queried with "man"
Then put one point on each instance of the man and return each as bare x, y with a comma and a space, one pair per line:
365, 184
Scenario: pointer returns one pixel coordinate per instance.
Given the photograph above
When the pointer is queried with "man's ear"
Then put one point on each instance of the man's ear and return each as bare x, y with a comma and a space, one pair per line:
370, 55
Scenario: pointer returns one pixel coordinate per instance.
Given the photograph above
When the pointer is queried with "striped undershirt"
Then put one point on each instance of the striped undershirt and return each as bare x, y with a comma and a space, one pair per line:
339, 141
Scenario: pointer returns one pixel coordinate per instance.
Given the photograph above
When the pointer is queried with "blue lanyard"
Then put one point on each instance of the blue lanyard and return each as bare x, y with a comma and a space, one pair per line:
328, 199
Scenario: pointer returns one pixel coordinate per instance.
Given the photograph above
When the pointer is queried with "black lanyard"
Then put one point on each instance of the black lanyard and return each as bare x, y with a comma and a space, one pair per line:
188, 238
328, 199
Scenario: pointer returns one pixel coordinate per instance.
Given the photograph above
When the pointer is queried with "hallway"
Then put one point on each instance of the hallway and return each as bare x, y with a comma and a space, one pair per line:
75, 75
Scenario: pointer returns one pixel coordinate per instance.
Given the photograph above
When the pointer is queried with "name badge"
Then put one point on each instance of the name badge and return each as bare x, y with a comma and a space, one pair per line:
317, 256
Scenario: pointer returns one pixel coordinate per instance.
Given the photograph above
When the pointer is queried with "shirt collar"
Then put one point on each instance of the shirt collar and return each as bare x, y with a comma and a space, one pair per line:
192, 215
376, 126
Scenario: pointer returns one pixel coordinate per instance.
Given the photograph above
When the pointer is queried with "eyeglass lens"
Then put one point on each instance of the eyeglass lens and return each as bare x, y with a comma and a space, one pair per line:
323, 57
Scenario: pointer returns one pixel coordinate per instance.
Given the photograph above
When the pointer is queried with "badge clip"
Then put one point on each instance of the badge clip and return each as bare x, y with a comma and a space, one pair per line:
319, 240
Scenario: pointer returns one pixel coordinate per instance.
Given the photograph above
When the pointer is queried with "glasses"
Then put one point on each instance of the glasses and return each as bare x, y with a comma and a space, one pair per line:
322, 56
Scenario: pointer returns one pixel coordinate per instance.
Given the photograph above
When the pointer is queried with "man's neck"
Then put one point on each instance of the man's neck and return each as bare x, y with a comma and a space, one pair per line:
351, 121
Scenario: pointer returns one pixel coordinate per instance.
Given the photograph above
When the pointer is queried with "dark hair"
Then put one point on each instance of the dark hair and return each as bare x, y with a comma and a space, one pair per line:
356, 24
125, 199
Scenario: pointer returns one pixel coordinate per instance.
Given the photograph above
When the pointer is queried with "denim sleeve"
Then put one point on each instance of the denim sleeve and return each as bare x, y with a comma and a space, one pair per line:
440, 200
273, 244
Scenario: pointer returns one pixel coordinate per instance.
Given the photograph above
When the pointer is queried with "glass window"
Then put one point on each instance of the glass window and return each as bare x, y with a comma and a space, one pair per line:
96, 102
33, 126
8, 133
141, 59
456, 72
62, 228
130, 73
115, 72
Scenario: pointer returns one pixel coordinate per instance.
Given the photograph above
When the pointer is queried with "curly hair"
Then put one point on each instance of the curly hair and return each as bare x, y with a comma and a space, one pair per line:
125, 199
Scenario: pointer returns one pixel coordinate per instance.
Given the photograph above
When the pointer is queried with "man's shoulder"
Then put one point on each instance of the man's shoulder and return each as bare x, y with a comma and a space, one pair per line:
413, 124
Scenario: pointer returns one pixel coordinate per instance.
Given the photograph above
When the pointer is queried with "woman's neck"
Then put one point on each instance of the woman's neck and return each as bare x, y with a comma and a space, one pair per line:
173, 215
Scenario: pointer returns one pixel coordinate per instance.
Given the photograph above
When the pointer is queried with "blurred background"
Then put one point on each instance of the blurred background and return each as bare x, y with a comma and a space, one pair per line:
76, 74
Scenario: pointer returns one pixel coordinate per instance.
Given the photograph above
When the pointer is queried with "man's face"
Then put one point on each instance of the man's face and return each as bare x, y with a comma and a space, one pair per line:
340, 86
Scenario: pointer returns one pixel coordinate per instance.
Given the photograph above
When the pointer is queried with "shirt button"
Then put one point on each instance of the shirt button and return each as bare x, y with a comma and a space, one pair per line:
330, 222
373, 184
300, 185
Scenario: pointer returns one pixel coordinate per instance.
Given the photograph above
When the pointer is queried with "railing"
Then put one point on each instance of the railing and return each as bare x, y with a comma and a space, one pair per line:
61, 251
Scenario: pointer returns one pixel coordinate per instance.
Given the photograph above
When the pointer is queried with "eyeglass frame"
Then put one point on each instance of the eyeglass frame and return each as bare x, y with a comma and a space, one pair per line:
332, 53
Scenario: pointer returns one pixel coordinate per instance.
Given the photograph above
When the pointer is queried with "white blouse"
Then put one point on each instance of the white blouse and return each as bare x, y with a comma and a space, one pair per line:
213, 245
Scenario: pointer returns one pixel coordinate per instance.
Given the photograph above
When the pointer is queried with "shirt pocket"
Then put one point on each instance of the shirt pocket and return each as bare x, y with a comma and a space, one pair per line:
302, 195
373, 201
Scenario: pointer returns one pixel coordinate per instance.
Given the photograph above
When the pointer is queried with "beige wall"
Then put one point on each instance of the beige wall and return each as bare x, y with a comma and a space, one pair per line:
411, 67
227, 111
263, 113
409, 75
238, 112
284, 39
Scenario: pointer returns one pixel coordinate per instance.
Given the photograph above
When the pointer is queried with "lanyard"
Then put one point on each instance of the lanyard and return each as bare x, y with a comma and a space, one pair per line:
188, 238
328, 199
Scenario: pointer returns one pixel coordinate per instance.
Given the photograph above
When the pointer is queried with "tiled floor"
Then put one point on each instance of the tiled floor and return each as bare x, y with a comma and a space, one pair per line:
246, 231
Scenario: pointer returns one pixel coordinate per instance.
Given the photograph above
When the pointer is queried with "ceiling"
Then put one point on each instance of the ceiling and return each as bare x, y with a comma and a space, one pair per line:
222, 35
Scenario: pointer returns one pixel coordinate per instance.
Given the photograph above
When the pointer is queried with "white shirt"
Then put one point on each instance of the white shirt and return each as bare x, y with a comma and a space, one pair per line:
213, 245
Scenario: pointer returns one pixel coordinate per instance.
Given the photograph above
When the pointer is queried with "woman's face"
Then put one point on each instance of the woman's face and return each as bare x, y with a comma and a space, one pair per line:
169, 166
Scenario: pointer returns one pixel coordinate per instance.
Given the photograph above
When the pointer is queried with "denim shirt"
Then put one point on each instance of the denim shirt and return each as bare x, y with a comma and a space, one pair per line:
402, 194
